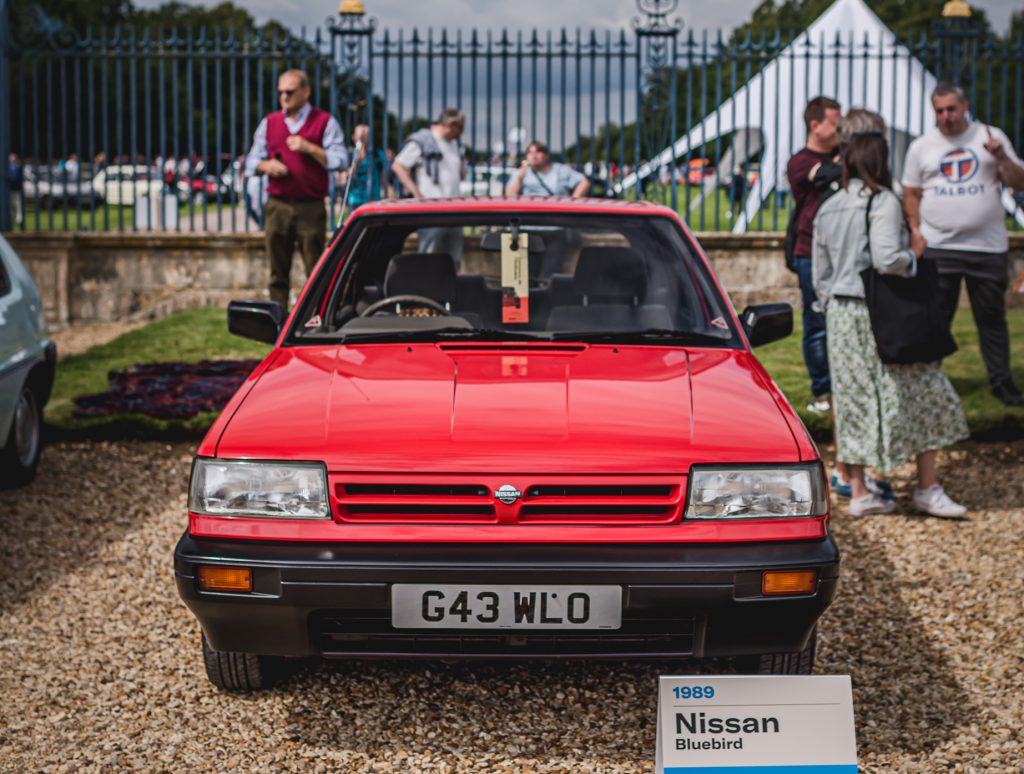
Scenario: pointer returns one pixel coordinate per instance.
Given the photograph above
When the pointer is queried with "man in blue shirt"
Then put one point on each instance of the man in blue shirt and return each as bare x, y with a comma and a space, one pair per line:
543, 177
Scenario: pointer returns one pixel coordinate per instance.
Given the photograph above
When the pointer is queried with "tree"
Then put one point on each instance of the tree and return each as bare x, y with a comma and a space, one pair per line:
904, 17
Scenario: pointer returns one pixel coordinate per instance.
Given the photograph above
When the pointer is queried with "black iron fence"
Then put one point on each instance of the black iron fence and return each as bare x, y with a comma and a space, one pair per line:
137, 129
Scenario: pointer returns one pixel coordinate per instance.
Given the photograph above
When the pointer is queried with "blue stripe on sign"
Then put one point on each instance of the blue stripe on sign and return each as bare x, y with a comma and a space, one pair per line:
836, 769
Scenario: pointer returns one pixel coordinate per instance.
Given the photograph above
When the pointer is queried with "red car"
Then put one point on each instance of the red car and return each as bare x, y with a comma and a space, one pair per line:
508, 428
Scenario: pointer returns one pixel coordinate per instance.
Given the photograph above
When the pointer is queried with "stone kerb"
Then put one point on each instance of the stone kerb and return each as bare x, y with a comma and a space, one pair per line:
106, 277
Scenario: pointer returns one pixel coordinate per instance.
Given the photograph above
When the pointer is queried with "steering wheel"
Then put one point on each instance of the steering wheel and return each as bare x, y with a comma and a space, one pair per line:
430, 303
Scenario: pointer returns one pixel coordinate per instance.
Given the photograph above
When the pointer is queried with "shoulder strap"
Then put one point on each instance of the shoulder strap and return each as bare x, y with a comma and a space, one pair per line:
541, 181
867, 220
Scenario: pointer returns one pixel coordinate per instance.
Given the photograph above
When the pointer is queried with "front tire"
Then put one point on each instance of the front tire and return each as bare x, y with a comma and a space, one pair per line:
233, 671
801, 663
19, 457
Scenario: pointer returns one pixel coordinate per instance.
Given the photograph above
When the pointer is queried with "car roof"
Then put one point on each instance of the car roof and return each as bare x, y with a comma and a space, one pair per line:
523, 203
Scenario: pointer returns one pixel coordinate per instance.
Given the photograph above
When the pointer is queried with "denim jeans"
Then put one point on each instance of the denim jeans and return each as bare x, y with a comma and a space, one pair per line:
815, 352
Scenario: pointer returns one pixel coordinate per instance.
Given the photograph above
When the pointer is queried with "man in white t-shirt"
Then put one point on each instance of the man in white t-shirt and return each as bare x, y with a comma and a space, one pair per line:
951, 189
429, 166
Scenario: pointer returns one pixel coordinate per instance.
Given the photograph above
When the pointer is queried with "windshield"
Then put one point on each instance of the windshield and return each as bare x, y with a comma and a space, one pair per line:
514, 276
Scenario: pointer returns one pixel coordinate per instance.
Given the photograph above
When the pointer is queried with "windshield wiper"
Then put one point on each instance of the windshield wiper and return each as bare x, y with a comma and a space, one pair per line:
644, 336
441, 334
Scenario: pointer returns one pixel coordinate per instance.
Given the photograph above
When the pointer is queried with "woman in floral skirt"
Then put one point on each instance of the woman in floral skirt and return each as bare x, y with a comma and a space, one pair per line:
885, 414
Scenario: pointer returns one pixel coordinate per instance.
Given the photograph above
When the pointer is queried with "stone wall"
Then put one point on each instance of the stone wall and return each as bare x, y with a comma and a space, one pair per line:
86, 277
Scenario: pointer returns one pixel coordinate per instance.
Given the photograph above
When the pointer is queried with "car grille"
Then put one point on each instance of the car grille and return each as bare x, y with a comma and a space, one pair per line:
611, 500
354, 633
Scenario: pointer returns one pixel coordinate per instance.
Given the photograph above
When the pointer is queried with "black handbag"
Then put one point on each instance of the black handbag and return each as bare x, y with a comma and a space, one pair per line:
789, 241
906, 319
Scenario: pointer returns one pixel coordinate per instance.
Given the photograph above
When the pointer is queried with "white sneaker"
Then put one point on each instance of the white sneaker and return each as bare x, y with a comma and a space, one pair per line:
820, 405
870, 504
936, 502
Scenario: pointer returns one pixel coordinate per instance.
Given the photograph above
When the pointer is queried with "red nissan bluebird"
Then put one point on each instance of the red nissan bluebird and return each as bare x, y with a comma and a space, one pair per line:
508, 428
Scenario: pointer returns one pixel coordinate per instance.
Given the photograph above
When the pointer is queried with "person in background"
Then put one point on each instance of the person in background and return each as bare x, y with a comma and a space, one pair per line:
295, 147
817, 159
884, 414
71, 166
814, 174
429, 166
15, 185
540, 176
169, 172
371, 178
737, 191
951, 189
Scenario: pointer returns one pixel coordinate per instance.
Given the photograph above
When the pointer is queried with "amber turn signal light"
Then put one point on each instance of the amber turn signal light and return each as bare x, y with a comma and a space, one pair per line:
789, 582
225, 579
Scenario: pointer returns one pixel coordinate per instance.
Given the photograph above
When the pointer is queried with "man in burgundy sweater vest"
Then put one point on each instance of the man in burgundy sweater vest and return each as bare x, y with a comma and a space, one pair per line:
295, 147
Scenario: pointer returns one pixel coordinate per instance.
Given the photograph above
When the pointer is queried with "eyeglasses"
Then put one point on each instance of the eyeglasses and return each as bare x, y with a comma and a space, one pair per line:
286, 92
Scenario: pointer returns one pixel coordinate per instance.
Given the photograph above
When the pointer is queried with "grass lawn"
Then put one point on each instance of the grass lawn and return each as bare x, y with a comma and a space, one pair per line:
713, 212
986, 416
191, 336
108, 217
201, 334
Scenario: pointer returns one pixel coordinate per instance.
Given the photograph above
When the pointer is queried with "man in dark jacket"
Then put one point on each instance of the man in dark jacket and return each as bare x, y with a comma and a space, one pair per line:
821, 117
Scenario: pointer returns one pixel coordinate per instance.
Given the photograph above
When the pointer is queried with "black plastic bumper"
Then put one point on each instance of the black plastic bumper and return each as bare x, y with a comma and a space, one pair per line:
333, 599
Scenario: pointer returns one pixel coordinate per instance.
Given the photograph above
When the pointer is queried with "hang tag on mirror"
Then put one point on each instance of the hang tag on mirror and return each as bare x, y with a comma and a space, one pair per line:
515, 280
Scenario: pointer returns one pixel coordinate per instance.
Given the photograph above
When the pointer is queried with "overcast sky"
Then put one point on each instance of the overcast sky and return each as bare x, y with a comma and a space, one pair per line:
527, 14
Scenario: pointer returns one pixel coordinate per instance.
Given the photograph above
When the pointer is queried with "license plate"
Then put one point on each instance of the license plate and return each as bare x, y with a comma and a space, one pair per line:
426, 606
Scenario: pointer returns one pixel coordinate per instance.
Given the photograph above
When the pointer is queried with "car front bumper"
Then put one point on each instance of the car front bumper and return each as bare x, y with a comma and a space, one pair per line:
334, 600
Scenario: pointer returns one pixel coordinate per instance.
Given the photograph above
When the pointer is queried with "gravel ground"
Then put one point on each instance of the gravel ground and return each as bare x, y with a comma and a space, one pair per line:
100, 666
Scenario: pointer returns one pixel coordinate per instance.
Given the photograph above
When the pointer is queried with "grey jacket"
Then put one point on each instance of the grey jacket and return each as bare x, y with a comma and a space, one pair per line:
840, 247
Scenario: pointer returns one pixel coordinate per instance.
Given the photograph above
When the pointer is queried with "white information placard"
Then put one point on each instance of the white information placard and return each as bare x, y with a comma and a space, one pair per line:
734, 724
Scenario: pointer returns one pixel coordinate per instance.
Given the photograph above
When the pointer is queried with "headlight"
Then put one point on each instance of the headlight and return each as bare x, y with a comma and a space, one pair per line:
279, 490
781, 492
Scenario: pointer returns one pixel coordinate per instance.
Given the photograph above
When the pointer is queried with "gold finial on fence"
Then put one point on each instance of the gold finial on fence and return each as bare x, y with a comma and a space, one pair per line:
953, 8
352, 8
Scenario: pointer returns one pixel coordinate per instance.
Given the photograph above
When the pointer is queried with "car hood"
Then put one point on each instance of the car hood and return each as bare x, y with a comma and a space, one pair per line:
558, 409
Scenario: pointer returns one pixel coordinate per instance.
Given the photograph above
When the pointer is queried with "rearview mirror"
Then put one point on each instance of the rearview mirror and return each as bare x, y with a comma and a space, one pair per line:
259, 320
764, 323
491, 242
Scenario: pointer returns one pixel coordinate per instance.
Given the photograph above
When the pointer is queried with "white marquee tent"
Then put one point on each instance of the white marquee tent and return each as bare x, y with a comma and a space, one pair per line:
847, 53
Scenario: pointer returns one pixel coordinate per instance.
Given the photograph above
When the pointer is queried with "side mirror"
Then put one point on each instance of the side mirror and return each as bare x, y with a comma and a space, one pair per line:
764, 323
259, 320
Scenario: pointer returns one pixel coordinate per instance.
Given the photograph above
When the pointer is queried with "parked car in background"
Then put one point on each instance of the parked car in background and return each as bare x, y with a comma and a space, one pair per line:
563, 447
52, 186
27, 365
203, 189
487, 180
122, 184
698, 171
